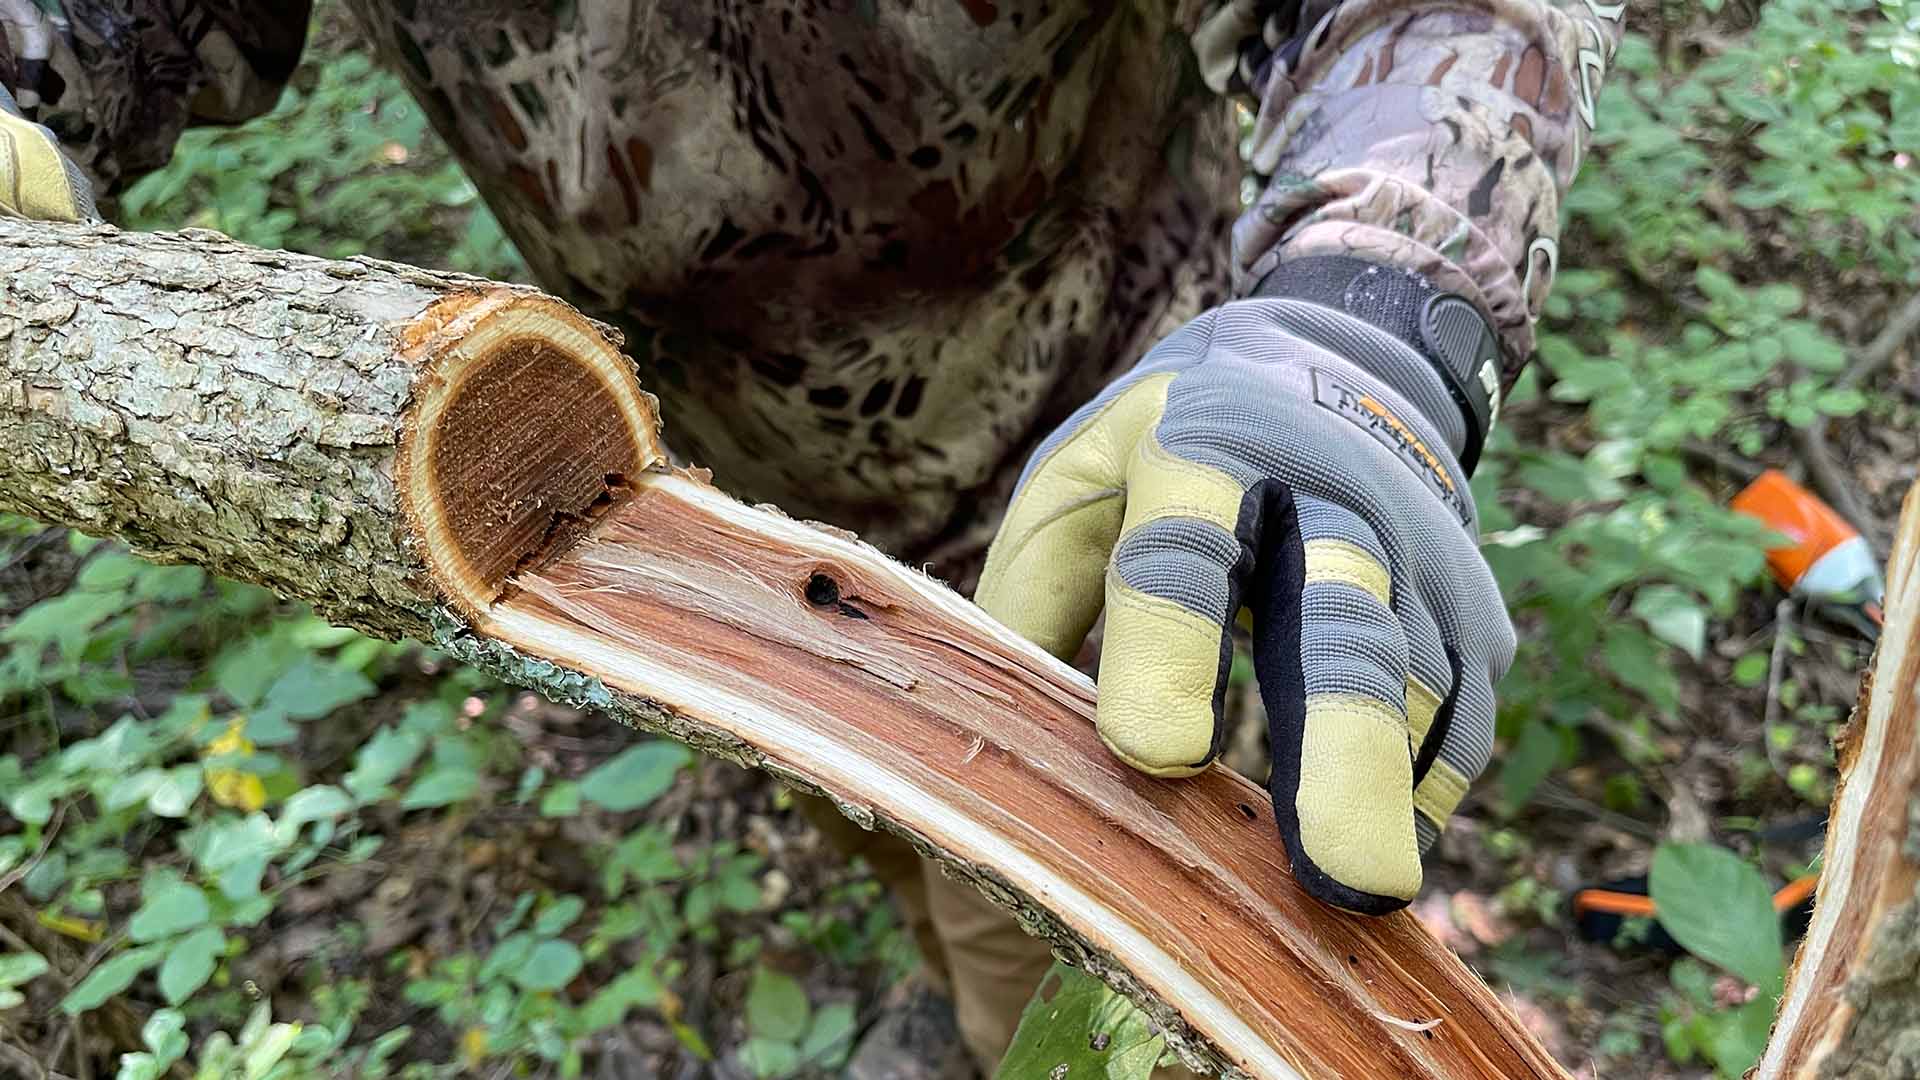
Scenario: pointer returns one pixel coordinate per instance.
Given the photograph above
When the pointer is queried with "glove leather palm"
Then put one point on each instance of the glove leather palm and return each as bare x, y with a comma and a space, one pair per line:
37, 181
1256, 459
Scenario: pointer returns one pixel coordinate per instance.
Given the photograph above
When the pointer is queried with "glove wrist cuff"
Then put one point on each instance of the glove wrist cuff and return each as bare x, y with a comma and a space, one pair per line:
1444, 329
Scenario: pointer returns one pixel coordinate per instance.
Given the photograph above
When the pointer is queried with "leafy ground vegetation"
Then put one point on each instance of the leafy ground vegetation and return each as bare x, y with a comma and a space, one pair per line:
239, 842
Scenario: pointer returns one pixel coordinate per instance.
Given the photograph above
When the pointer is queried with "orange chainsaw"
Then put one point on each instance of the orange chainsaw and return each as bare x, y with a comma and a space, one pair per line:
1826, 562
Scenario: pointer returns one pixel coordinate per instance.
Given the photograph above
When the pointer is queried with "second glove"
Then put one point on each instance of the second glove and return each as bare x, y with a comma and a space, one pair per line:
37, 181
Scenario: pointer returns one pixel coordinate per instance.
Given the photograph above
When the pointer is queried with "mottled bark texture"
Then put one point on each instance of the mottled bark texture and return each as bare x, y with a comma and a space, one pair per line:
242, 409
1852, 1007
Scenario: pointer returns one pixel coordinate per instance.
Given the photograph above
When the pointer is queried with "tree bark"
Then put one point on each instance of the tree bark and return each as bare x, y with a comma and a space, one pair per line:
1852, 1006
246, 410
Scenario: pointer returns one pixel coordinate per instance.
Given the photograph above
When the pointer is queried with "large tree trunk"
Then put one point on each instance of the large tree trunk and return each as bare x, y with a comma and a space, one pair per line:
475, 465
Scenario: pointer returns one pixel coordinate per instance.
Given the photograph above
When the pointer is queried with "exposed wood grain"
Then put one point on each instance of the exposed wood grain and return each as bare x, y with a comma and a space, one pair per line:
879, 686
1853, 997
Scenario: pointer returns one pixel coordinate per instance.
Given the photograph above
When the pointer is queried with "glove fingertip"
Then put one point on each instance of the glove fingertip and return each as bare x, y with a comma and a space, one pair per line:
1325, 887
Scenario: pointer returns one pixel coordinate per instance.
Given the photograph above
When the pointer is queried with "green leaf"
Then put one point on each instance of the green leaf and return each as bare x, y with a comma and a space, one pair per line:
1531, 759
530, 781
691, 1038
776, 1006
1751, 669
1741, 1036
116, 749
385, 756
1840, 401
256, 1026
1642, 663
636, 987
316, 803
550, 966
271, 728
18, 968
1717, 906
47, 875
511, 920
440, 787
561, 800
268, 1049
1674, 616
637, 776
33, 804
112, 976
168, 907
190, 963
169, 584
68, 619
235, 854
558, 916
769, 1059
137, 788
1560, 477
645, 856
312, 688
1077, 1027
109, 570
165, 1033
176, 792
507, 957
1718, 285
829, 1038
244, 672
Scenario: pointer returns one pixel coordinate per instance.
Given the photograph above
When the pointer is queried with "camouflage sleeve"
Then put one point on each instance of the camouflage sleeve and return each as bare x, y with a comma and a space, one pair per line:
118, 80
1435, 136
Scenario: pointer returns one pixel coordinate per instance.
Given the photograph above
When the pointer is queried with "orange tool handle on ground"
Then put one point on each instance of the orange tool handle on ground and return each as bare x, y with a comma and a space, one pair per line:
1788, 508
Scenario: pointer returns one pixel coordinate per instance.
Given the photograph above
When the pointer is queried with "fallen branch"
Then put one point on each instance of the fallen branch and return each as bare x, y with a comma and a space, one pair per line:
1903, 324
1835, 483
25, 1065
474, 465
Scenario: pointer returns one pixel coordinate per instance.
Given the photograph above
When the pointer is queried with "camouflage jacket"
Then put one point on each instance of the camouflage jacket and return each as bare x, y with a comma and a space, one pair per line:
868, 253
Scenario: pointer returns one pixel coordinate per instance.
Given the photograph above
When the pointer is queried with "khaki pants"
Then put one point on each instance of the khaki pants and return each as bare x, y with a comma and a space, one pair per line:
974, 951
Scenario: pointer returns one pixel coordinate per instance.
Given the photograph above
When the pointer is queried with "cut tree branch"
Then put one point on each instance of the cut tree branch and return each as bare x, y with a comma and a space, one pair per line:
475, 465
472, 464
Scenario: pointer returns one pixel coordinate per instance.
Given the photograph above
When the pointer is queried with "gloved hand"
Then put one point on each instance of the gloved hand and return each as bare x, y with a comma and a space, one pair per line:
37, 181
1297, 453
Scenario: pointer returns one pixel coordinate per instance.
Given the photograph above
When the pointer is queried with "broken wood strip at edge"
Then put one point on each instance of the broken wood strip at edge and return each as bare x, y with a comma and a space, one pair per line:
1863, 869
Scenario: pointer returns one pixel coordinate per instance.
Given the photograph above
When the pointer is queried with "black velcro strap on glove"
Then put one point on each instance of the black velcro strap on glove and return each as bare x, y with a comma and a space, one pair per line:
1444, 328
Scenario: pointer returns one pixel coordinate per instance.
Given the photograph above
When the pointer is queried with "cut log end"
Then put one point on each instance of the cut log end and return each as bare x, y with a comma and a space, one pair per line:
527, 424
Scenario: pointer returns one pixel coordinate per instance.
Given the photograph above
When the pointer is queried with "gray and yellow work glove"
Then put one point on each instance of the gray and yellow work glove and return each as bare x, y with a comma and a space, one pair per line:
1298, 454
37, 181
